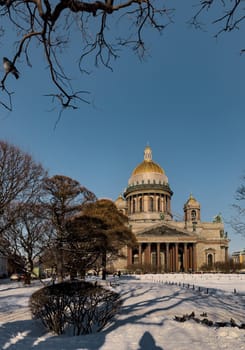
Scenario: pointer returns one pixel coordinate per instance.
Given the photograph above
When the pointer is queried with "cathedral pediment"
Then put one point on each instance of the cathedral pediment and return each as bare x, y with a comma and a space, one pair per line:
164, 231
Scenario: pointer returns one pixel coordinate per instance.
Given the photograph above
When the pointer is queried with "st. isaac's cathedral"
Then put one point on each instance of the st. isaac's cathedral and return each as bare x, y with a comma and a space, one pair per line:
163, 244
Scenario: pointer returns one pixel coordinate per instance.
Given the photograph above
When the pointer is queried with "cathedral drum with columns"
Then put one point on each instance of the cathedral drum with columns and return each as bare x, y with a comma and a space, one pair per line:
163, 244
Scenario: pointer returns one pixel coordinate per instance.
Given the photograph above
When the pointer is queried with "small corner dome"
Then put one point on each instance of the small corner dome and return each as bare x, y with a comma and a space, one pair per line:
120, 202
192, 202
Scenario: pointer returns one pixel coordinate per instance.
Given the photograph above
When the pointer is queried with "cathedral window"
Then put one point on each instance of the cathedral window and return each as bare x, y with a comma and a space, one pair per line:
210, 260
159, 204
193, 215
141, 204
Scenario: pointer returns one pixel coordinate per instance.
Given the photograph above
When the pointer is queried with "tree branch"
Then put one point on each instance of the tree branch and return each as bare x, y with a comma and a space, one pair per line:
46, 22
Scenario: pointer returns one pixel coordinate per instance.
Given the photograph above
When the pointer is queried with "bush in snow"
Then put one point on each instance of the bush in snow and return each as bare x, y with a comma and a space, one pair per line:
77, 306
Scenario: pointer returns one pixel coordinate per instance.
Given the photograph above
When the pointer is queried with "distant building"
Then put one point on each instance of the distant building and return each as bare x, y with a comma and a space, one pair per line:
239, 257
163, 244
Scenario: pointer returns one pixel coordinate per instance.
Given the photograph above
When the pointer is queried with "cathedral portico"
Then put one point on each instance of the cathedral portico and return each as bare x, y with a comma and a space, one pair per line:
164, 257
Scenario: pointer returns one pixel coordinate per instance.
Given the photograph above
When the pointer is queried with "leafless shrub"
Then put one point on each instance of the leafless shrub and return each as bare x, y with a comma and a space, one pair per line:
78, 307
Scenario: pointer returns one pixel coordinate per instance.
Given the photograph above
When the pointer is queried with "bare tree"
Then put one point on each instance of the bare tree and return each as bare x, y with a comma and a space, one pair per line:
27, 234
238, 222
227, 15
51, 25
100, 29
64, 199
20, 180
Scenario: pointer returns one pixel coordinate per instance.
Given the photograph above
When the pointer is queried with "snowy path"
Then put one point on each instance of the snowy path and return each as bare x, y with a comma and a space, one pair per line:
22, 314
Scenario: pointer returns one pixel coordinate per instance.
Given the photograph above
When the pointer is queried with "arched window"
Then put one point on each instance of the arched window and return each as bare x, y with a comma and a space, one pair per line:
193, 215
210, 259
150, 204
159, 204
141, 204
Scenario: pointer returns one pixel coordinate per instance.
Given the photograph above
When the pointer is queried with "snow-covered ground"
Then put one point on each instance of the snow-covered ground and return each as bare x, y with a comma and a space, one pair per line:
146, 320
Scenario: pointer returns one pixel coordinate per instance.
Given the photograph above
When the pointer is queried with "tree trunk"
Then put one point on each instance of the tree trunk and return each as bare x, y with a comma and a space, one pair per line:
59, 263
104, 266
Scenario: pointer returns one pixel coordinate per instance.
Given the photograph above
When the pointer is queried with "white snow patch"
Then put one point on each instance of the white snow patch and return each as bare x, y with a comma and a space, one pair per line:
146, 320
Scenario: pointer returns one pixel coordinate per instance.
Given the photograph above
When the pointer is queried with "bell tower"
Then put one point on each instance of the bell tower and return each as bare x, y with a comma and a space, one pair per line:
192, 210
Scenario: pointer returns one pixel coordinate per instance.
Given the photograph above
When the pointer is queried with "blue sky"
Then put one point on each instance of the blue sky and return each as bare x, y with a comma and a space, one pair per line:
186, 100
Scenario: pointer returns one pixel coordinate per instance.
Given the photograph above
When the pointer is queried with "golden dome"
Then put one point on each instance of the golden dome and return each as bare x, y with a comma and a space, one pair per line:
192, 201
147, 167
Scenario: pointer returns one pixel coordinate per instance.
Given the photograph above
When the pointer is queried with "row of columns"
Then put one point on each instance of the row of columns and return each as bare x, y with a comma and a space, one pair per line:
148, 202
164, 257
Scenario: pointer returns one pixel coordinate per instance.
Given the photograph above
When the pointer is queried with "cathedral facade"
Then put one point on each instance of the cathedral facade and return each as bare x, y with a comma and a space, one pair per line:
164, 244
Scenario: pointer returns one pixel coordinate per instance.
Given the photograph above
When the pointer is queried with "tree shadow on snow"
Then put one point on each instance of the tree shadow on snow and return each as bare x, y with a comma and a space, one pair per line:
143, 311
31, 334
